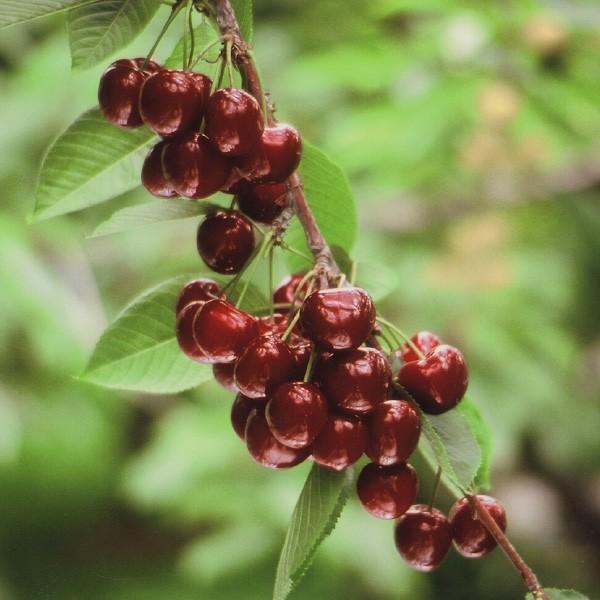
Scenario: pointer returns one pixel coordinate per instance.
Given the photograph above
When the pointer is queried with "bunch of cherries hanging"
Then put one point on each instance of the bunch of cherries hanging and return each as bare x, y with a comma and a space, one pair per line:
310, 379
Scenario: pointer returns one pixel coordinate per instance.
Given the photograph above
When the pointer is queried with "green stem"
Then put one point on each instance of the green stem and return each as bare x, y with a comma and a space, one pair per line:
292, 250
291, 326
190, 22
184, 60
203, 52
264, 246
174, 13
436, 484
270, 284
310, 366
228, 46
401, 333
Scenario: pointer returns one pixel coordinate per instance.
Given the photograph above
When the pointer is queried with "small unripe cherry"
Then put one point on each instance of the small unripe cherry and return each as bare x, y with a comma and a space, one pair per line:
240, 411
198, 290
341, 442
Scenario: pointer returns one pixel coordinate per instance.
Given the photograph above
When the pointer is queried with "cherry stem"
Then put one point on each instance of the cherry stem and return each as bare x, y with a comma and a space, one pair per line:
291, 325
264, 246
203, 52
308, 277
228, 45
185, 57
401, 333
270, 284
292, 250
190, 22
174, 12
436, 485
310, 367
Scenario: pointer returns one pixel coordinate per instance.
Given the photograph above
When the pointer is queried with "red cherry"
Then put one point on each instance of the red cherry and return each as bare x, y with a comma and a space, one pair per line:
184, 331
119, 90
356, 381
193, 167
262, 203
387, 492
234, 122
340, 443
153, 175
172, 102
225, 241
438, 382
275, 324
264, 365
296, 413
423, 537
199, 290
338, 319
470, 536
264, 447
240, 411
223, 373
393, 430
301, 350
425, 341
223, 331
286, 290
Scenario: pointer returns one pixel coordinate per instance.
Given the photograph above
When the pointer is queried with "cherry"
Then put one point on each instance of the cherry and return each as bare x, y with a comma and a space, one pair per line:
264, 447
273, 324
153, 175
172, 102
262, 203
184, 331
119, 90
240, 411
225, 241
234, 122
193, 167
264, 365
199, 290
286, 291
338, 319
301, 350
356, 381
423, 537
393, 430
223, 331
223, 373
340, 443
296, 413
438, 382
470, 536
387, 492
425, 341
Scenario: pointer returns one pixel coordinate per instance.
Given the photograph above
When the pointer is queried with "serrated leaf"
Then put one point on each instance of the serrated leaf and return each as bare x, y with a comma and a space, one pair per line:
483, 435
316, 513
19, 11
243, 14
555, 594
97, 30
139, 351
331, 200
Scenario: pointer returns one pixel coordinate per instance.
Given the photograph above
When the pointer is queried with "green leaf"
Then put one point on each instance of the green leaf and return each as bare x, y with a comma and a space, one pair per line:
204, 34
314, 518
89, 163
243, 13
19, 11
331, 200
483, 435
139, 351
97, 30
555, 594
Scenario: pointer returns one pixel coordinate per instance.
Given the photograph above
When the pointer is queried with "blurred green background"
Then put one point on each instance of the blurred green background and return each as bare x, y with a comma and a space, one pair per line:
469, 131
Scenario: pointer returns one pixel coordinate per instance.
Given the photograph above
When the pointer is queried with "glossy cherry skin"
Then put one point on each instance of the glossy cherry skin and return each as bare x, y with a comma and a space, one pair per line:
225, 241
223, 374
387, 492
438, 382
285, 292
222, 331
357, 380
340, 443
393, 430
470, 536
425, 341
296, 413
264, 365
184, 331
277, 324
338, 319
423, 537
234, 121
240, 411
172, 102
119, 90
301, 350
264, 447
153, 175
262, 203
198, 290
193, 167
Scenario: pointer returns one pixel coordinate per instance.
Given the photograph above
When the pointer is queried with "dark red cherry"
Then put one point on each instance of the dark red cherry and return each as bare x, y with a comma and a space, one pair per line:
393, 430
199, 290
184, 331
264, 365
387, 492
470, 536
262, 203
223, 331
225, 241
296, 413
234, 122
301, 350
286, 291
338, 319
423, 537
275, 324
119, 90
264, 447
193, 167
438, 382
172, 102
240, 411
425, 341
340, 443
223, 373
153, 175
356, 381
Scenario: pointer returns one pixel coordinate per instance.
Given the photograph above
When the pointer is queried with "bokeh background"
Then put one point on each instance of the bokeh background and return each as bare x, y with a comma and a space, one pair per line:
469, 131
